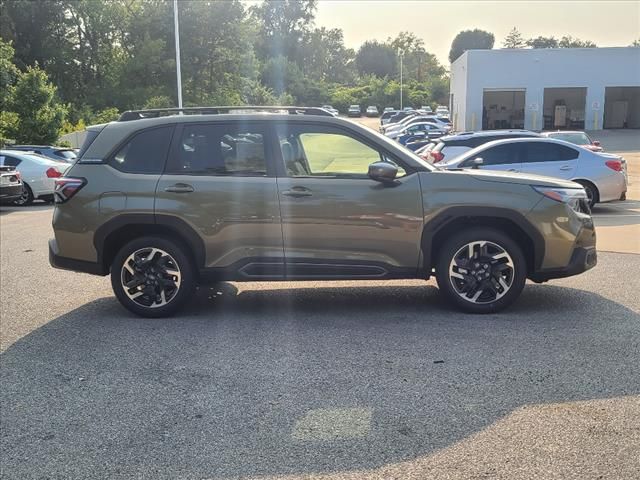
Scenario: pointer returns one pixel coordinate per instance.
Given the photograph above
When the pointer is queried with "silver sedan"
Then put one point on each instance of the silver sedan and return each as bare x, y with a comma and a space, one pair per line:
603, 175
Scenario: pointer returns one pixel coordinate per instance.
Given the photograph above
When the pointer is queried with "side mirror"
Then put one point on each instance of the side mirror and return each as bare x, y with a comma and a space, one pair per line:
477, 162
384, 172
596, 143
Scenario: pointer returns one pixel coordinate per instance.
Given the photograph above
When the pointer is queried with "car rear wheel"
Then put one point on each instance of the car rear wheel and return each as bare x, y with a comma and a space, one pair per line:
25, 198
152, 276
481, 270
592, 192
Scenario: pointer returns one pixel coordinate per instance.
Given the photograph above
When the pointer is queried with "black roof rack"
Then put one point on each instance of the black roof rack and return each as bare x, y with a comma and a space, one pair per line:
163, 112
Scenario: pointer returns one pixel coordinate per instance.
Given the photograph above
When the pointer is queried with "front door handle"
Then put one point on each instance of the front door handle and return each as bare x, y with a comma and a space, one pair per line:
179, 188
512, 170
298, 192
565, 167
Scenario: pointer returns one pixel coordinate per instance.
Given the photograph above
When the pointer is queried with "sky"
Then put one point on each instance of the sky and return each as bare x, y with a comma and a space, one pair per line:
607, 23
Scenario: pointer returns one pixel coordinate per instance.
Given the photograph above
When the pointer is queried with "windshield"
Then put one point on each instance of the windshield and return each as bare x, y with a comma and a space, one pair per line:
577, 138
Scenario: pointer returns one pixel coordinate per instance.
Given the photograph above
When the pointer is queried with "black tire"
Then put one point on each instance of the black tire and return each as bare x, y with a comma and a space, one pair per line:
183, 261
592, 192
453, 245
26, 198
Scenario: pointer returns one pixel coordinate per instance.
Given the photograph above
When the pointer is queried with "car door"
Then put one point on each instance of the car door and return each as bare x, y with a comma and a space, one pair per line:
549, 158
220, 181
505, 156
336, 221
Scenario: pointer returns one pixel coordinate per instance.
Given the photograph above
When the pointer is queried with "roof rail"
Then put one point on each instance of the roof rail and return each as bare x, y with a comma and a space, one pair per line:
163, 112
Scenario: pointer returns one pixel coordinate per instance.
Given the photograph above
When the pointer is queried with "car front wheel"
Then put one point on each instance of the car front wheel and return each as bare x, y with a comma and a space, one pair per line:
481, 270
152, 276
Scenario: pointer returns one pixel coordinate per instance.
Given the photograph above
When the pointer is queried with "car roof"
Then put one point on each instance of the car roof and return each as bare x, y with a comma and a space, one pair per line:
489, 133
562, 132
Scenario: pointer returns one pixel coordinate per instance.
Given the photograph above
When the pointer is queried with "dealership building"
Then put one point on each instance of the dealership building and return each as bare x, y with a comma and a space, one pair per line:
546, 89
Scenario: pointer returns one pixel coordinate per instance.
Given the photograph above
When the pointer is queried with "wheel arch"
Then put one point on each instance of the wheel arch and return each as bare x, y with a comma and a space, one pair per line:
595, 187
115, 233
510, 222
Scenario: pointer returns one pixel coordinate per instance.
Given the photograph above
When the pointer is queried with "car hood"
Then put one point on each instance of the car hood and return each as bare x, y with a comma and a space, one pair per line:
518, 178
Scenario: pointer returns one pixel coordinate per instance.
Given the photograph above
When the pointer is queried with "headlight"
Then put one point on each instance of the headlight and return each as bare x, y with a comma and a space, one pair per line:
576, 198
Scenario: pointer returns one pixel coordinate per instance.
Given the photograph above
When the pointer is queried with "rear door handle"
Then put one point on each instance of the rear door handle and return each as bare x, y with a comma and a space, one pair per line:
512, 170
298, 192
566, 167
179, 188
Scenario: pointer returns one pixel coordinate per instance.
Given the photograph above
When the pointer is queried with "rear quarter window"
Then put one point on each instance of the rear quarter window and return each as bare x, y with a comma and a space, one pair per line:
146, 152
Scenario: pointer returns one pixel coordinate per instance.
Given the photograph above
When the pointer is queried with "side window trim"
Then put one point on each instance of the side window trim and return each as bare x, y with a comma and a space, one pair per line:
267, 138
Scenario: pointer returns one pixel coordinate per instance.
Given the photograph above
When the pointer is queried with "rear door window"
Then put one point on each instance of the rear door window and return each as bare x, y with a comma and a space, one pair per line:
145, 153
219, 149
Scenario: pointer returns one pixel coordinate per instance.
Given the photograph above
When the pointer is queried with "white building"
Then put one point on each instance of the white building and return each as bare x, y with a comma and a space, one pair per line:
546, 89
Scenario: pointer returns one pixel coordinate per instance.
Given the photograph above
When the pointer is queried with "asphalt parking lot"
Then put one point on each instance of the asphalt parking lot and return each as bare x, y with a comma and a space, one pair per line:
329, 380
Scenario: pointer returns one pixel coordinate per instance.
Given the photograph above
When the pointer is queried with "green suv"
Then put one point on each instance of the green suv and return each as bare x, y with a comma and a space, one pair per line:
166, 199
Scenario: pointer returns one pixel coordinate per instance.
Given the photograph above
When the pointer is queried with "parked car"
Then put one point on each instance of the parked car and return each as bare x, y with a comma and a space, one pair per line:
426, 109
576, 137
38, 174
603, 175
427, 129
372, 111
354, 111
10, 184
386, 117
389, 109
165, 203
390, 129
331, 110
451, 146
398, 117
443, 111
407, 109
63, 154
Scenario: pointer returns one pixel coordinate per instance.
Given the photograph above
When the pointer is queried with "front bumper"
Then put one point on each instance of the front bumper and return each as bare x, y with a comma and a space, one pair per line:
582, 259
66, 263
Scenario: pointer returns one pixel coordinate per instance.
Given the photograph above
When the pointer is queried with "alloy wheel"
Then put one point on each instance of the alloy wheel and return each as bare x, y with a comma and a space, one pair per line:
23, 199
481, 272
150, 277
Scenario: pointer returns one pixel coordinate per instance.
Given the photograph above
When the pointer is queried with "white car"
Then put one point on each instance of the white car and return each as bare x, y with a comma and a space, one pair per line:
603, 175
38, 174
331, 110
391, 129
442, 111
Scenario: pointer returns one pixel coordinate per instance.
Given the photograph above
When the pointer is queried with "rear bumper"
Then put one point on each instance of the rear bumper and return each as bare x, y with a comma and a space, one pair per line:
66, 263
583, 259
10, 192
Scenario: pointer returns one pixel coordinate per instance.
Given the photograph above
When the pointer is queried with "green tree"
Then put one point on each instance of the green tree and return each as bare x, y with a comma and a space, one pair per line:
514, 39
40, 115
570, 42
418, 64
543, 42
326, 58
283, 26
379, 59
470, 40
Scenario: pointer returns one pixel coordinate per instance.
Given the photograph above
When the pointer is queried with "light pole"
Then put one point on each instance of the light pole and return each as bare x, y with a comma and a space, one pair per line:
401, 54
177, 35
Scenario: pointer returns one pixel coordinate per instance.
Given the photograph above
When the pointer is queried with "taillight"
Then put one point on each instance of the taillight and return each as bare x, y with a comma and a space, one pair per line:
53, 173
614, 165
437, 156
67, 187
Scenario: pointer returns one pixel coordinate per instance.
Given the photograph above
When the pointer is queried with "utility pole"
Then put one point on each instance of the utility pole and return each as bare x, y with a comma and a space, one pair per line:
177, 35
401, 53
